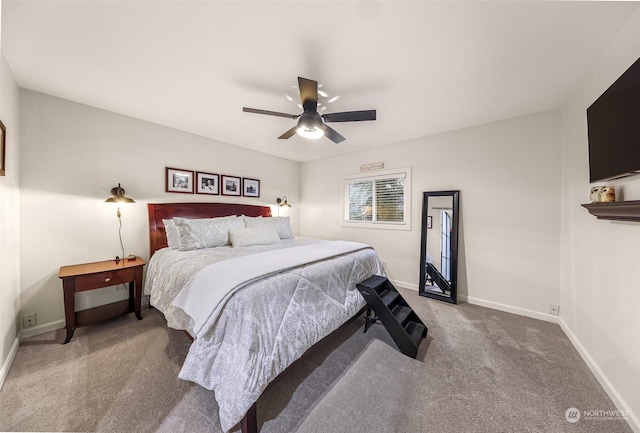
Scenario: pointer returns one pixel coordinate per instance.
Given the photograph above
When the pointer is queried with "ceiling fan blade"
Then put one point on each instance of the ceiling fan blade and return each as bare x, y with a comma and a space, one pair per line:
308, 94
270, 113
350, 116
290, 133
332, 134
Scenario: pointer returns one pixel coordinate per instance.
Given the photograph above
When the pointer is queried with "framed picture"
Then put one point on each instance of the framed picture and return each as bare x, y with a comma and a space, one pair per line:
429, 222
3, 141
179, 180
207, 183
230, 185
250, 187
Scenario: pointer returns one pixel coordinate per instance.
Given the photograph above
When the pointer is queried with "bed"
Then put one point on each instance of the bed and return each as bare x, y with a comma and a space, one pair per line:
252, 307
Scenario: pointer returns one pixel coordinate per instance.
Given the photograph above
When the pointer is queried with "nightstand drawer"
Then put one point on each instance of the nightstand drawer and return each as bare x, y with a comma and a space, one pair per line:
104, 279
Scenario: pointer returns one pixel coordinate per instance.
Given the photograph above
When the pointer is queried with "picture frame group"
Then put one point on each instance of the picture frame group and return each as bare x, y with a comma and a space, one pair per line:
199, 182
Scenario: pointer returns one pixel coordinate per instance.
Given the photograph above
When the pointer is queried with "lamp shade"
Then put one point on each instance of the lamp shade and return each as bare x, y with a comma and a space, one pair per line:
118, 196
282, 202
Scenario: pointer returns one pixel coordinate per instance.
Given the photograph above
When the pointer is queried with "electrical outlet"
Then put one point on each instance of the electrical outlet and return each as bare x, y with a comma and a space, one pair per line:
554, 309
29, 320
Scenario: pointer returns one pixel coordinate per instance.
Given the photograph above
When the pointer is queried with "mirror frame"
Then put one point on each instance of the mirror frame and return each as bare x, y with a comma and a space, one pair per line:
455, 194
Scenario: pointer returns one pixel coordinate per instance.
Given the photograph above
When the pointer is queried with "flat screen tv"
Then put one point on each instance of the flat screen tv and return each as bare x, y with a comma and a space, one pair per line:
614, 129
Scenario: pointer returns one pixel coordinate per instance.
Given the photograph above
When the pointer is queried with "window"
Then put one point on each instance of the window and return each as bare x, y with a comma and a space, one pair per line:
378, 200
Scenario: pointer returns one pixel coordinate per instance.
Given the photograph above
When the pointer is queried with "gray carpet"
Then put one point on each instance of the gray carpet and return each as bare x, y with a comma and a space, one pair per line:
479, 370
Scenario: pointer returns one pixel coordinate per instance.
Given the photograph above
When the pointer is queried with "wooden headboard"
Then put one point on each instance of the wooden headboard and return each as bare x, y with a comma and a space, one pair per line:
160, 211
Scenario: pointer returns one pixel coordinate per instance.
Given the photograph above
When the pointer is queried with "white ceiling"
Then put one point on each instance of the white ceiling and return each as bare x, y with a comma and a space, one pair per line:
426, 67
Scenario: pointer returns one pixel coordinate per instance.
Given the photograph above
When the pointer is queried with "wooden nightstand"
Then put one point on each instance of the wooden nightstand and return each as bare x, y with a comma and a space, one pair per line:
89, 276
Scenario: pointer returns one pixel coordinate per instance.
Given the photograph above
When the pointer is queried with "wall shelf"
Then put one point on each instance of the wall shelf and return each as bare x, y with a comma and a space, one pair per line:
616, 211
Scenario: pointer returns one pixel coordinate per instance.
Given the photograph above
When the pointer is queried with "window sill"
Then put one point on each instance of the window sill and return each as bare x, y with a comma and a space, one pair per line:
378, 226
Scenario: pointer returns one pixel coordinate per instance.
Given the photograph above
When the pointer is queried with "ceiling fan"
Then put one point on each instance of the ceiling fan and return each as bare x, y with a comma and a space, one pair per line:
312, 124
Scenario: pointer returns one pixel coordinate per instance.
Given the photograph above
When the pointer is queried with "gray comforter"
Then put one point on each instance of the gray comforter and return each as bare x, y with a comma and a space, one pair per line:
259, 326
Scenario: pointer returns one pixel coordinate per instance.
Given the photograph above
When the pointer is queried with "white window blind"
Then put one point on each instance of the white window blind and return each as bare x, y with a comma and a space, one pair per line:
377, 200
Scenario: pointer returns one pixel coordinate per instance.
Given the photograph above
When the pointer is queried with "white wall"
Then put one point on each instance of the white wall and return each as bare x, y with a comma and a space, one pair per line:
9, 223
600, 290
508, 174
72, 155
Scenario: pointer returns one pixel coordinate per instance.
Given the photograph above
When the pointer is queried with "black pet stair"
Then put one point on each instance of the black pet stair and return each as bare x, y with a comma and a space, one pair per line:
402, 323
438, 279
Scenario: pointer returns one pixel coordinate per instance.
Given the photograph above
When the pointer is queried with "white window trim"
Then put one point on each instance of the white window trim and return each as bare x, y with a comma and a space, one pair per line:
379, 225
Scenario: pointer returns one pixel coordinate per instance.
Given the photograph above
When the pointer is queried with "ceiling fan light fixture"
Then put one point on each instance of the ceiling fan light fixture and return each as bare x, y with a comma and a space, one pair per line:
309, 132
310, 126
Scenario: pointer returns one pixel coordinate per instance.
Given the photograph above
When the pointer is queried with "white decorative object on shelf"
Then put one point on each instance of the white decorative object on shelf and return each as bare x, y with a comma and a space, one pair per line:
596, 192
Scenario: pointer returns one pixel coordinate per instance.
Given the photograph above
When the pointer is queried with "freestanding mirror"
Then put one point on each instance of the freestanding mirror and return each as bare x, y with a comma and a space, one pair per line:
439, 248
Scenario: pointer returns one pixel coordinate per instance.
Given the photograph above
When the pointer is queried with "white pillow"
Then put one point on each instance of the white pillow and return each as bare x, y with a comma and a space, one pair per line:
282, 225
244, 237
205, 232
248, 218
173, 238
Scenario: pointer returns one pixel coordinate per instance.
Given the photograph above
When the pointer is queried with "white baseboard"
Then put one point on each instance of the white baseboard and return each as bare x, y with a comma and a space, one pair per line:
9, 361
404, 285
489, 304
621, 404
509, 308
41, 329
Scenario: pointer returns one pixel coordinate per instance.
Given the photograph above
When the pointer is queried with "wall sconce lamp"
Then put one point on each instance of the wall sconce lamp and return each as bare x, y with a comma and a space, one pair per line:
282, 202
117, 196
